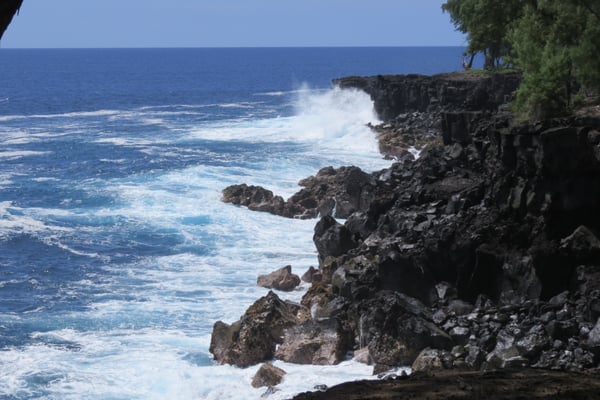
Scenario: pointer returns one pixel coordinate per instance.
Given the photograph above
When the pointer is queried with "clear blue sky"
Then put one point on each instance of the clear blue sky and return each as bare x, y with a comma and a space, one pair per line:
227, 23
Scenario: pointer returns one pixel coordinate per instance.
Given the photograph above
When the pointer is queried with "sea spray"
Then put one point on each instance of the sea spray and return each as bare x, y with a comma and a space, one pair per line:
117, 255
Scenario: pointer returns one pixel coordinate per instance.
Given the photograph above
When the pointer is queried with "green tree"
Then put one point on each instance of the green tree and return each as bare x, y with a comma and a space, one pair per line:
486, 24
555, 43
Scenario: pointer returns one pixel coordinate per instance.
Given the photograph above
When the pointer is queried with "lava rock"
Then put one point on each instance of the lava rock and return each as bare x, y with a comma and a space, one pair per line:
254, 337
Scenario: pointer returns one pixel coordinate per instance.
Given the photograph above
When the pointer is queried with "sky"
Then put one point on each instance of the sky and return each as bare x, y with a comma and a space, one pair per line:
230, 23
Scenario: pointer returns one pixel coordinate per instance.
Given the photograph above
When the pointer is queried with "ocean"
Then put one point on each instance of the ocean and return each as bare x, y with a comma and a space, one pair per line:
116, 254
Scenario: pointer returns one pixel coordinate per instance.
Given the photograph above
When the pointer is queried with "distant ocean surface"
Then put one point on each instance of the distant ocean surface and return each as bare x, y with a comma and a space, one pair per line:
116, 254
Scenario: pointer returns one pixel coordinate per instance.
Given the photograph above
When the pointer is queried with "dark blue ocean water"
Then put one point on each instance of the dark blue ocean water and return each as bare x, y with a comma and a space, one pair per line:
116, 254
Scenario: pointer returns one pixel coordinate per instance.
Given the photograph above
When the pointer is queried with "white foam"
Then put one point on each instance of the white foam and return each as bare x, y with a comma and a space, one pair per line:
79, 114
13, 221
145, 364
14, 155
145, 332
331, 123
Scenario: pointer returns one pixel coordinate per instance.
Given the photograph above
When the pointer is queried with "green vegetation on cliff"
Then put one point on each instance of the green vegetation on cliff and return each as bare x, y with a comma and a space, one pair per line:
555, 43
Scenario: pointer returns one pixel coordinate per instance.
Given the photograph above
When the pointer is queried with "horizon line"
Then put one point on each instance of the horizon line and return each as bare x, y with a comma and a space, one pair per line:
224, 47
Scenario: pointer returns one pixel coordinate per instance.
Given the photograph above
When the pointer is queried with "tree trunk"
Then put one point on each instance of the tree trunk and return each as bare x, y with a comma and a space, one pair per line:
8, 8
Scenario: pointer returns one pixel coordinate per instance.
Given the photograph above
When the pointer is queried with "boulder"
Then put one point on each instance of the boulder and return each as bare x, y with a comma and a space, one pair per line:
281, 279
268, 375
582, 244
332, 238
431, 360
254, 337
314, 342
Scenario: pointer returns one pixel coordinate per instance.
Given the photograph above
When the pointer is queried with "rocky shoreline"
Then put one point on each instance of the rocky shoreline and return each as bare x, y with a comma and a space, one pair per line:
481, 255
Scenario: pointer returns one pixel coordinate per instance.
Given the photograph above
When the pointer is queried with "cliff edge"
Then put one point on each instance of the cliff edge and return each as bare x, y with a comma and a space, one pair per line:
483, 254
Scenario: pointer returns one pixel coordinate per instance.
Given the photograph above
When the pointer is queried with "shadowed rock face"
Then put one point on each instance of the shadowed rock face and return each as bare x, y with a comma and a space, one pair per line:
8, 8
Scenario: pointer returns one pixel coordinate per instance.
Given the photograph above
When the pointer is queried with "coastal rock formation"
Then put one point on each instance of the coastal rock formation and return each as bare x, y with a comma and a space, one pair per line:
396, 96
485, 250
253, 339
337, 192
510, 235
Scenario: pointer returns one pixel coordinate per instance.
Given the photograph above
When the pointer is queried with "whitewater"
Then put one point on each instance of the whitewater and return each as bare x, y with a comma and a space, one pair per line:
117, 255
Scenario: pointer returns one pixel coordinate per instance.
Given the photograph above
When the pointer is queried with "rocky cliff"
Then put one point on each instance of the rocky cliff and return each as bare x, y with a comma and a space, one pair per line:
481, 254
395, 95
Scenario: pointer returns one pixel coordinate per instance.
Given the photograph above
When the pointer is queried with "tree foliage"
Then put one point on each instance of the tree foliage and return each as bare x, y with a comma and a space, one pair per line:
486, 24
555, 43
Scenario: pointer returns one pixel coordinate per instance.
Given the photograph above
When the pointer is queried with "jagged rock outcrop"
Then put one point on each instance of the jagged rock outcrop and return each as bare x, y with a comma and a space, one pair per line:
338, 192
508, 222
254, 338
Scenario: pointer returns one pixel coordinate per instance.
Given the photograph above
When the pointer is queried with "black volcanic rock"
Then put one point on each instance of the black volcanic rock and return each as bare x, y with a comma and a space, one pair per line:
253, 339
338, 192
485, 249
395, 95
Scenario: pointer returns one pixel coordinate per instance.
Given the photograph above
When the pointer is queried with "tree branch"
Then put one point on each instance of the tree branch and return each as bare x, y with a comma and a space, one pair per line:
8, 8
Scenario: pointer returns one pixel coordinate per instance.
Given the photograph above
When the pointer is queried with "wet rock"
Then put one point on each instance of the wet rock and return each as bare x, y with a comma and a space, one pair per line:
268, 375
281, 279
